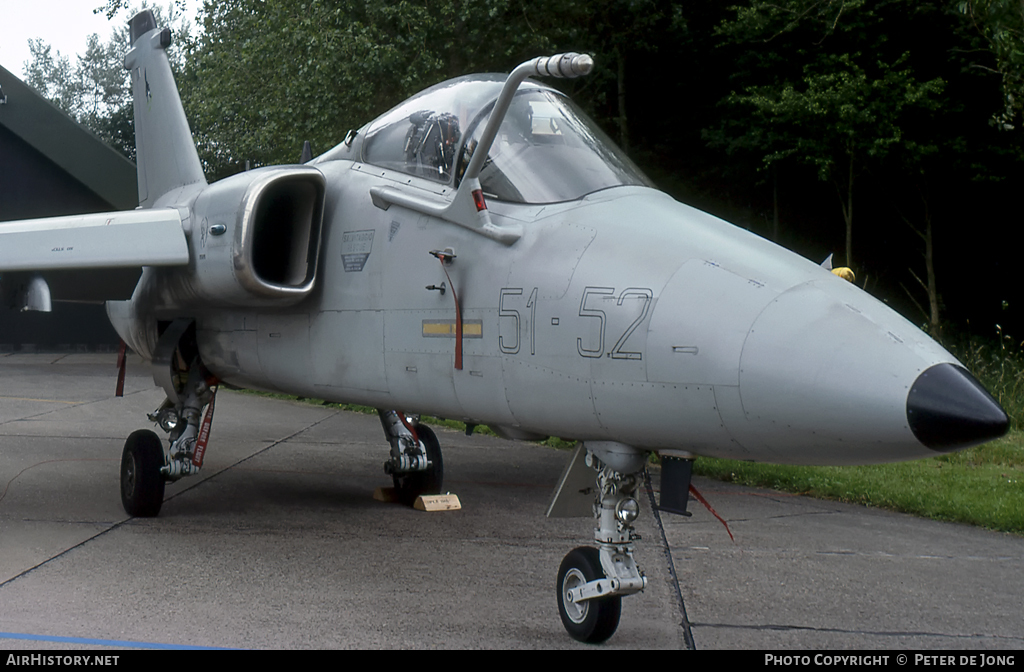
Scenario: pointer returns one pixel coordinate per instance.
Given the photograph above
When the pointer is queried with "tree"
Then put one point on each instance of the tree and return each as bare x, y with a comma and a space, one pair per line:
264, 76
1001, 24
838, 119
96, 90
623, 36
841, 112
113, 7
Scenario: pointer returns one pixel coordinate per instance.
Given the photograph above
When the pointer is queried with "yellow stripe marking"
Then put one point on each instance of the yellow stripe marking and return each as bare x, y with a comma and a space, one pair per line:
446, 329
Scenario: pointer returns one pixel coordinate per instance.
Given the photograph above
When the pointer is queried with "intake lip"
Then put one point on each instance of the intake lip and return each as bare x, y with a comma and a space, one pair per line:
948, 409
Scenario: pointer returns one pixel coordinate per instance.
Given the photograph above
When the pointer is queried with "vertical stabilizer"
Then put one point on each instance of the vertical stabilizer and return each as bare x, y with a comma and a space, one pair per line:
165, 152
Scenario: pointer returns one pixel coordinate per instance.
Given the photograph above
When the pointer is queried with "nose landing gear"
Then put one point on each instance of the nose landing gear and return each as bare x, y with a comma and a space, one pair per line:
592, 581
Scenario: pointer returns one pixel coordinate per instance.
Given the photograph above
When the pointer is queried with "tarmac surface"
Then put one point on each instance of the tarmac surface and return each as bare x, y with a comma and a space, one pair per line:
279, 544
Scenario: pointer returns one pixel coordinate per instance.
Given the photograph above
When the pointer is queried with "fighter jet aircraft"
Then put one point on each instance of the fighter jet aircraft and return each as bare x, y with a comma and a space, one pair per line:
483, 252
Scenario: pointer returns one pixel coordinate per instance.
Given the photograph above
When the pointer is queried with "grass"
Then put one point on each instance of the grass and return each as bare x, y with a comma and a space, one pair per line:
982, 486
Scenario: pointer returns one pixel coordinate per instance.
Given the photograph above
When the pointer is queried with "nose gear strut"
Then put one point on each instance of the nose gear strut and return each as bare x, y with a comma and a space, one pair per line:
592, 581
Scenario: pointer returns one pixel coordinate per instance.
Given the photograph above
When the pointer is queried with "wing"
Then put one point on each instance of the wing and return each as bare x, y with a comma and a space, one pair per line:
94, 257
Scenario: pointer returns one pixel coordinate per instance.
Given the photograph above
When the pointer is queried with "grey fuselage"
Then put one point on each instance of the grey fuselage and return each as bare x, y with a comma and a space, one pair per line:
622, 316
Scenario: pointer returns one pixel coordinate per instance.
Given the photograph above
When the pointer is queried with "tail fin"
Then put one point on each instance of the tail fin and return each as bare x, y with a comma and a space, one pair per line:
165, 152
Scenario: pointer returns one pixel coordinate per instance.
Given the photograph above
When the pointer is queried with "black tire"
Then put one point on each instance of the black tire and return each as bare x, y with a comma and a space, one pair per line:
410, 486
142, 484
592, 621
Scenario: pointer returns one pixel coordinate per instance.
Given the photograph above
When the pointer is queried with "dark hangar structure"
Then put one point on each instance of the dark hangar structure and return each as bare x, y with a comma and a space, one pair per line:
51, 166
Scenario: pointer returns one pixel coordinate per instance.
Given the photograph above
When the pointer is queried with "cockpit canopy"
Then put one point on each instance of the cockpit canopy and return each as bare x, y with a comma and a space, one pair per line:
546, 151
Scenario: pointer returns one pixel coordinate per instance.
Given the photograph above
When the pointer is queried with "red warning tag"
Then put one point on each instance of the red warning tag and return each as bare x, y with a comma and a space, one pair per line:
204, 433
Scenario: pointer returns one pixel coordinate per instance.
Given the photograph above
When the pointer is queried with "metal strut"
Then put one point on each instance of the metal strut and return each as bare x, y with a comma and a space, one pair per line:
407, 454
184, 455
615, 510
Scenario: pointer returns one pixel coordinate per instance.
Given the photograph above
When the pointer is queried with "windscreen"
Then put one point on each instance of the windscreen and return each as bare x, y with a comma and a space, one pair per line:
547, 151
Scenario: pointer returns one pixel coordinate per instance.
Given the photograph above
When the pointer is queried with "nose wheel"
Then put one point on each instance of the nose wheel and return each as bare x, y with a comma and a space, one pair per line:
142, 484
593, 620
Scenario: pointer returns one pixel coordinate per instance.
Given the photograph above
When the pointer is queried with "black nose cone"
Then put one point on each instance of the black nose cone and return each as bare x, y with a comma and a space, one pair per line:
948, 409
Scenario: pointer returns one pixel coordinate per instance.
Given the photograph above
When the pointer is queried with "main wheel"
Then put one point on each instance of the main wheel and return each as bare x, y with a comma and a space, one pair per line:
142, 484
413, 484
591, 621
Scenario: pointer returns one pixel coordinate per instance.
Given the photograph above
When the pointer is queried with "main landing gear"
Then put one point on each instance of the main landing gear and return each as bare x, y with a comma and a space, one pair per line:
147, 465
415, 465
